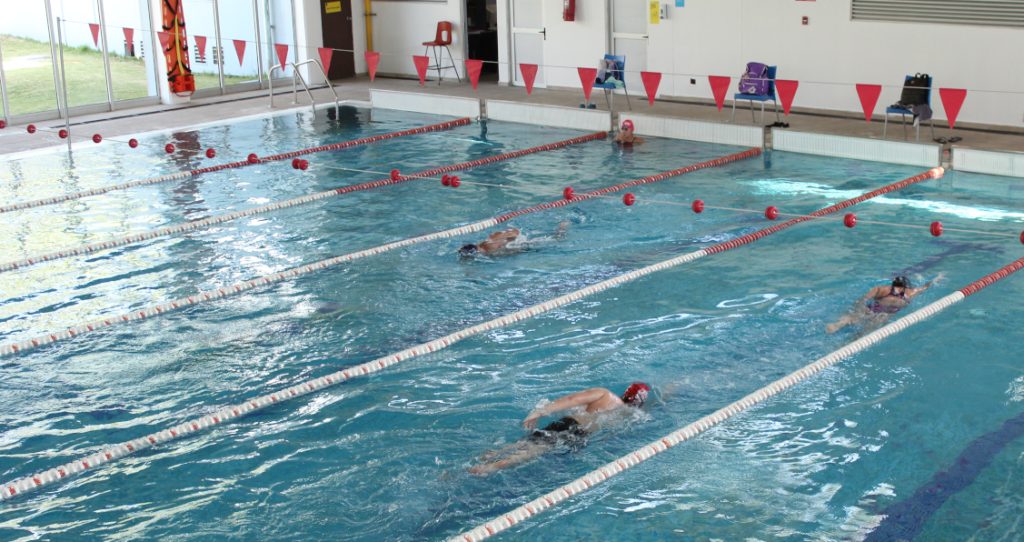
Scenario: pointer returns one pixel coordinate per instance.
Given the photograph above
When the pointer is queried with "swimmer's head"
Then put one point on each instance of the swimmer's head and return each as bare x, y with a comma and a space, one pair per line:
636, 394
468, 250
901, 282
627, 125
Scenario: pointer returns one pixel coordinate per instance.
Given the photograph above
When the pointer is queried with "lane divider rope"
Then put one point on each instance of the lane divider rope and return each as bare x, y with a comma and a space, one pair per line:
199, 224
602, 474
220, 293
110, 453
447, 125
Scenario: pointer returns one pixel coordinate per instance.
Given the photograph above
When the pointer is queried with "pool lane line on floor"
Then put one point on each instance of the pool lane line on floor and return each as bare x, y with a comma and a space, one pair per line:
447, 125
209, 295
301, 200
905, 519
30, 483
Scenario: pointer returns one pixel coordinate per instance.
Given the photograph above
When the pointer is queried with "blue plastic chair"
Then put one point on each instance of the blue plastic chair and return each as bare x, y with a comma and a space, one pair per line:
618, 73
759, 98
904, 111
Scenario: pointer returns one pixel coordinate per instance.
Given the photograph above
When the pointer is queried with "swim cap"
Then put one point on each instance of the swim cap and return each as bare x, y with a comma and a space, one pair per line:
468, 250
627, 125
901, 282
636, 394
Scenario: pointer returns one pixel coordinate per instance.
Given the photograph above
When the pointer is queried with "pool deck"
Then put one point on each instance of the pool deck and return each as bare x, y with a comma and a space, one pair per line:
123, 123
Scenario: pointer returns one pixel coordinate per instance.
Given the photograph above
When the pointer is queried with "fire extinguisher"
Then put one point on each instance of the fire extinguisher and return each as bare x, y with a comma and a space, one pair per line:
568, 10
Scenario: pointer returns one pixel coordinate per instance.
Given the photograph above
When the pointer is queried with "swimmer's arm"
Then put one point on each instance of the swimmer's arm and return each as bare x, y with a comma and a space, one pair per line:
938, 278
577, 399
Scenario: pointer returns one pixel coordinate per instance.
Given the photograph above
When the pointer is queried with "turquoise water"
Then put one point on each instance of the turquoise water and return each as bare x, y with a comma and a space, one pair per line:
385, 457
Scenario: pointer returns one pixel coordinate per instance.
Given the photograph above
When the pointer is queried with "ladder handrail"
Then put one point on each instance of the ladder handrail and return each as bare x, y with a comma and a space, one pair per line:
295, 74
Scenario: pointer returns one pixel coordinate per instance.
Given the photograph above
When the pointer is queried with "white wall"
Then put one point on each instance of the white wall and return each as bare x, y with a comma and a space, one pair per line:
401, 27
828, 56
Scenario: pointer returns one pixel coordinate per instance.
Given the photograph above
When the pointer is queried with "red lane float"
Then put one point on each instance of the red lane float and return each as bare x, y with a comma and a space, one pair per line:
629, 199
697, 206
63, 134
31, 128
395, 174
936, 228
131, 143
253, 158
3, 124
230, 165
771, 212
850, 220
568, 192
96, 138
446, 180
211, 153
455, 181
169, 148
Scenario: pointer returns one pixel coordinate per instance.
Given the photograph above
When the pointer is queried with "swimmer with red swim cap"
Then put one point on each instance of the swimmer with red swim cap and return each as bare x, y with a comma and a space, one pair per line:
591, 409
626, 135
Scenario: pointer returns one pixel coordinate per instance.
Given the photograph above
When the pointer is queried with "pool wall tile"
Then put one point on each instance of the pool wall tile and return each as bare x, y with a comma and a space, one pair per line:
425, 103
1009, 164
858, 148
693, 130
549, 115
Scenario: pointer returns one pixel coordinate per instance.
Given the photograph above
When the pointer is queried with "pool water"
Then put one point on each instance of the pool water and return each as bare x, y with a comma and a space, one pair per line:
385, 457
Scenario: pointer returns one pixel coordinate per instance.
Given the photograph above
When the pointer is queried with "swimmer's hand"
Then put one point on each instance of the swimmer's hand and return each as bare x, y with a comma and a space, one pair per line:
531, 421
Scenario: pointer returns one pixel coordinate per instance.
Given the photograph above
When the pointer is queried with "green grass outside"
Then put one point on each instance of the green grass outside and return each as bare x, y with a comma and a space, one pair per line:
30, 89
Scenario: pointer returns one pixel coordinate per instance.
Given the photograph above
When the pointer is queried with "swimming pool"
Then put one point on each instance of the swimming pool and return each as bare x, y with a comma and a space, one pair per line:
385, 456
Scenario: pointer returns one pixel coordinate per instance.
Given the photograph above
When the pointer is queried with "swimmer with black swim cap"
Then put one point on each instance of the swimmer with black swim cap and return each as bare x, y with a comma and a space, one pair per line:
880, 302
510, 241
592, 407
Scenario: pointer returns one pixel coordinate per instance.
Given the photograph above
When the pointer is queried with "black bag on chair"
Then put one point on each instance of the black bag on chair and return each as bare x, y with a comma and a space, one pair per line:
915, 90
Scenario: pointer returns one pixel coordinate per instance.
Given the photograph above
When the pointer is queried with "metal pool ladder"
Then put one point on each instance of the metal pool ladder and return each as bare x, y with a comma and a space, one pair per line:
296, 75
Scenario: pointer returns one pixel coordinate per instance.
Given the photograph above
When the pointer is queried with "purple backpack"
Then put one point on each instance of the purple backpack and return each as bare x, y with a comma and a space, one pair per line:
755, 80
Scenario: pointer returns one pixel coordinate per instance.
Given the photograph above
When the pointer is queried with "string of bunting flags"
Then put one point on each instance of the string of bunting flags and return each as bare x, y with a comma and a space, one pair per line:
952, 98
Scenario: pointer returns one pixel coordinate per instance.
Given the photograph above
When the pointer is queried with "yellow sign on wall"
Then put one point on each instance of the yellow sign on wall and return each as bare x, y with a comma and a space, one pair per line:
332, 7
655, 11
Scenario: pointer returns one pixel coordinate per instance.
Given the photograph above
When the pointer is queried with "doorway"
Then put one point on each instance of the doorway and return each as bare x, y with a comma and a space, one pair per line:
482, 35
336, 17
629, 37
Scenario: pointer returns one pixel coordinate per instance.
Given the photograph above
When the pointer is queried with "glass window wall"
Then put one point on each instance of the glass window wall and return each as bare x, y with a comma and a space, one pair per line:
27, 59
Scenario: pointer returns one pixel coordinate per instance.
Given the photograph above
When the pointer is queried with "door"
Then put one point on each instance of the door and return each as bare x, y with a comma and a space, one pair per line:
629, 38
528, 36
336, 16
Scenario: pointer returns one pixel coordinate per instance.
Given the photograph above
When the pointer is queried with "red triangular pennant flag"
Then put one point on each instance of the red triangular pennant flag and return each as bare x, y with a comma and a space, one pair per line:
421, 63
952, 100
372, 61
282, 53
868, 98
529, 72
719, 86
129, 36
587, 76
651, 82
201, 44
473, 68
787, 90
326, 55
240, 50
95, 29
165, 40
